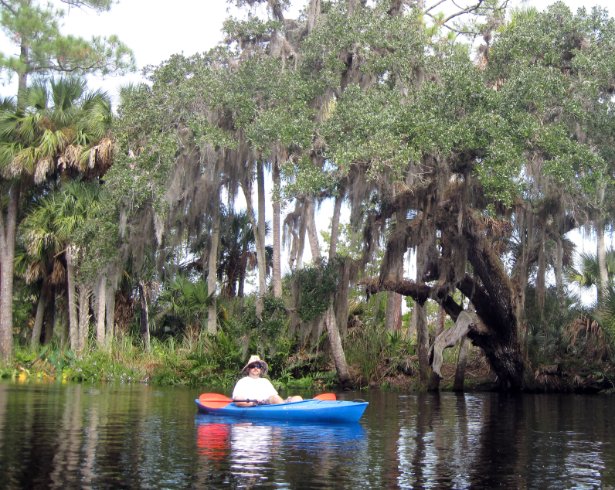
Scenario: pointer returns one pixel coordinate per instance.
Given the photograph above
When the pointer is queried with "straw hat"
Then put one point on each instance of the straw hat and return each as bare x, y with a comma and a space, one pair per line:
254, 359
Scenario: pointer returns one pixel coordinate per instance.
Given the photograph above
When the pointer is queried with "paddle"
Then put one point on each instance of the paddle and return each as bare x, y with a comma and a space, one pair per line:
326, 396
216, 400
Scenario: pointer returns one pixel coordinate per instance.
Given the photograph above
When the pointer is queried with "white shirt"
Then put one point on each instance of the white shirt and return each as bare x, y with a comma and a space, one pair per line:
253, 389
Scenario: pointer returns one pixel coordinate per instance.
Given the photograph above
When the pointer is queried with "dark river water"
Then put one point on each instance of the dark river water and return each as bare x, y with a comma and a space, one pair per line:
81, 436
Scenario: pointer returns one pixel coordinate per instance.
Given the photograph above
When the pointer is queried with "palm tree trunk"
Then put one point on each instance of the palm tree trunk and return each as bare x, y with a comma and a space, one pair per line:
143, 293
84, 316
541, 273
337, 350
258, 223
420, 322
341, 298
7, 255
525, 228
276, 280
393, 311
212, 267
559, 271
353, 6
73, 327
394, 300
313, 12
41, 306
260, 243
22, 78
300, 248
101, 303
603, 272
241, 279
110, 315
335, 226
312, 232
422, 340
393, 269
50, 318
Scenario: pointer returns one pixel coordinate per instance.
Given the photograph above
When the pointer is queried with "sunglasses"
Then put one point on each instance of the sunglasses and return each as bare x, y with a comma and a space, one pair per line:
255, 366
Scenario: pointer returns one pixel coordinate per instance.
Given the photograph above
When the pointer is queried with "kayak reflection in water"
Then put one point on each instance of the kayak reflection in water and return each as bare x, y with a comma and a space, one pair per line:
253, 389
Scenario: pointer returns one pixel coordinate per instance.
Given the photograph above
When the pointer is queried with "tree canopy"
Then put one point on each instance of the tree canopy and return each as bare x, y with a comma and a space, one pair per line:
473, 140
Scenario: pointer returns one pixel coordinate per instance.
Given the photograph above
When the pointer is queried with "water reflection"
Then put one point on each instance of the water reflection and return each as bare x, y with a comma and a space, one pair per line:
213, 440
79, 436
261, 453
497, 440
436, 443
145, 437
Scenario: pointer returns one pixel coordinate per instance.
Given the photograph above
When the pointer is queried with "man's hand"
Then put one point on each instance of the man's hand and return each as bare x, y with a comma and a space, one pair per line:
248, 403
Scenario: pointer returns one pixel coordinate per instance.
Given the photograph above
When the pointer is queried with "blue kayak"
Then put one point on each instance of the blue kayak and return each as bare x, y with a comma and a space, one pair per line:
306, 410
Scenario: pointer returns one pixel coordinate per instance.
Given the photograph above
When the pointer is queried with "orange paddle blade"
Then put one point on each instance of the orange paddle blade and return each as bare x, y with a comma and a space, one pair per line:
214, 404
214, 398
326, 396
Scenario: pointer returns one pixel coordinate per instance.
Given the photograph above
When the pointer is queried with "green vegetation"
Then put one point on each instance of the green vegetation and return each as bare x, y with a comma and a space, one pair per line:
134, 245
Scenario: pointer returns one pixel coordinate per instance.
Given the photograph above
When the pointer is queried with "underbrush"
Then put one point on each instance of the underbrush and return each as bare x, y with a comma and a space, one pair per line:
208, 362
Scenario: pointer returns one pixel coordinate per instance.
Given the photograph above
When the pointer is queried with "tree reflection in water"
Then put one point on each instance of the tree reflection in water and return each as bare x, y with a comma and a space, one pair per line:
78, 436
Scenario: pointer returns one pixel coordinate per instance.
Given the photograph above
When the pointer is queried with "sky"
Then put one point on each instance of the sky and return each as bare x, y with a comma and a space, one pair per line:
157, 29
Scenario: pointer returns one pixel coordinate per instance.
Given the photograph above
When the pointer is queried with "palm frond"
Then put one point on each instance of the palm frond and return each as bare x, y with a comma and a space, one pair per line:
8, 151
8, 104
43, 167
71, 156
37, 95
28, 128
8, 125
34, 272
24, 161
58, 273
66, 92
51, 143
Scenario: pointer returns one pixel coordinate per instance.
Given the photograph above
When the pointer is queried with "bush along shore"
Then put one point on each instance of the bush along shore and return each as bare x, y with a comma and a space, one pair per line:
214, 362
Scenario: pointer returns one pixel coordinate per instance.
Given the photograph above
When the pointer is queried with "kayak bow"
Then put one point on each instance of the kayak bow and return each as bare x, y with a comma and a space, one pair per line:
306, 410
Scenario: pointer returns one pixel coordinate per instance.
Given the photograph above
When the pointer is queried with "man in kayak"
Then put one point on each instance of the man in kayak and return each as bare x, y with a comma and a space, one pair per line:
254, 387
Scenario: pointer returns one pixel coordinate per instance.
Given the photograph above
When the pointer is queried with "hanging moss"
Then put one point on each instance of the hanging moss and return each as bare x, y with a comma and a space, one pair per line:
315, 285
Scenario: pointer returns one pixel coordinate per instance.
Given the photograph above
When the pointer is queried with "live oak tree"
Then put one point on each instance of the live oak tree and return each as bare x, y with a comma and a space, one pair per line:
479, 166
360, 61
341, 51
428, 146
483, 160
42, 50
436, 151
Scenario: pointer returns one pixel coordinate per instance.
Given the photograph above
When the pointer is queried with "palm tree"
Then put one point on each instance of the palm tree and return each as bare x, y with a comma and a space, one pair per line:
595, 328
40, 260
237, 252
63, 130
51, 232
184, 301
60, 132
588, 274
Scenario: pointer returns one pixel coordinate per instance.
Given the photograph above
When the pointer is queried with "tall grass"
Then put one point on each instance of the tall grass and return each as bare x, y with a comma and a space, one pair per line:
204, 361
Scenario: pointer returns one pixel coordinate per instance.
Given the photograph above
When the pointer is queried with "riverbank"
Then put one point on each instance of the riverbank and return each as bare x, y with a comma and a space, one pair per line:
569, 375
172, 365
